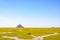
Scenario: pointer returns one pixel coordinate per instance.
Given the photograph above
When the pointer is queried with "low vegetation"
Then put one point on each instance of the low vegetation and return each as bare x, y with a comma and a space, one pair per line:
24, 33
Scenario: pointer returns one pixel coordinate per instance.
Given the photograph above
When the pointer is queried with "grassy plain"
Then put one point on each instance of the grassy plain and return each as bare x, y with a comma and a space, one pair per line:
34, 31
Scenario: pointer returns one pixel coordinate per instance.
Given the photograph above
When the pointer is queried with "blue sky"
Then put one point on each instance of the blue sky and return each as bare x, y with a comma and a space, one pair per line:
30, 13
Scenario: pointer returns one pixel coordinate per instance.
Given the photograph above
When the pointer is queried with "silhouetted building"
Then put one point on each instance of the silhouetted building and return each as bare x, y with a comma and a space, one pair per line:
20, 26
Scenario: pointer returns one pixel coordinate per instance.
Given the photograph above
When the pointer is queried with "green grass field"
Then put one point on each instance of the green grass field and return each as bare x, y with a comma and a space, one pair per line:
34, 31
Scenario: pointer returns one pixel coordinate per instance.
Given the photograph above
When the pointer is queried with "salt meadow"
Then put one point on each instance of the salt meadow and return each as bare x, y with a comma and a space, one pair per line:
35, 37
34, 33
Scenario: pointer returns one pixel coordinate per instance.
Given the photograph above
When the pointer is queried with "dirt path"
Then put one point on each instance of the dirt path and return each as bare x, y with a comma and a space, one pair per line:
5, 32
15, 38
42, 37
34, 37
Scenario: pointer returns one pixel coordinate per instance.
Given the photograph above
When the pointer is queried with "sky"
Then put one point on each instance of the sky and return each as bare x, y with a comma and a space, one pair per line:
30, 13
